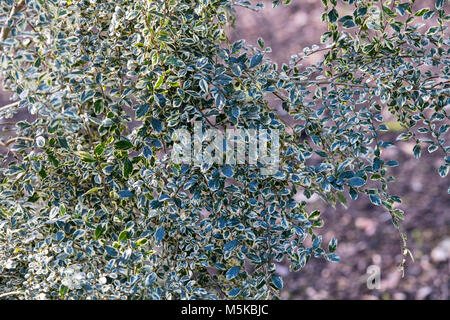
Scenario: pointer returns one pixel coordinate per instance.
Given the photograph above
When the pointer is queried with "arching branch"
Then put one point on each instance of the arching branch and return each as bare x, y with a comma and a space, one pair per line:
5, 30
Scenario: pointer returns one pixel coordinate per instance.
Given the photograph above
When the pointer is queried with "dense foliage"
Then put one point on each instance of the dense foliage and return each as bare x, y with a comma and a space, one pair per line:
93, 207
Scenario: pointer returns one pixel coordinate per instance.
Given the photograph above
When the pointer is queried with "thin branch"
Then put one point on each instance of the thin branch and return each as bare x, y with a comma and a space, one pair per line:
12, 293
7, 124
12, 140
5, 30
333, 83
11, 105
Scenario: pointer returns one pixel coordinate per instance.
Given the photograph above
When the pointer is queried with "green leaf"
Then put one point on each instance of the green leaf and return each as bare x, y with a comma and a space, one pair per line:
141, 242
428, 15
353, 194
92, 190
220, 100
227, 171
325, 37
391, 163
261, 43
347, 22
63, 290
111, 251
123, 145
389, 12
277, 282
332, 245
403, 8
404, 136
159, 82
142, 110
156, 124
86, 95
333, 257
86, 156
356, 182
232, 272
231, 245
124, 194
398, 213
440, 4
236, 69
417, 151
123, 236
147, 152
40, 142
203, 85
63, 143
99, 231
443, 170
333, 15
160, 233
342, 199
376, 200
314, 215
127, 168
256, 60
234, 292
99, 149
421, 12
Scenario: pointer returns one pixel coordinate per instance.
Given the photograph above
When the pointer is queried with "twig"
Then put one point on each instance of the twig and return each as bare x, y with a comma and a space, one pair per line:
5, 30
12, 140
11, 105
12, 293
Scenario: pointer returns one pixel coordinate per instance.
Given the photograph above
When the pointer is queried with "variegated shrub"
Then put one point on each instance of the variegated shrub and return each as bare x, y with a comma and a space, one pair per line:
91, 205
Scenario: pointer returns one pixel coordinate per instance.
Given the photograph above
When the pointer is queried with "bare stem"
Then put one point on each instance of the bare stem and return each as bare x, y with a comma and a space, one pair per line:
11, 105
12, 140
5, 30
12, 293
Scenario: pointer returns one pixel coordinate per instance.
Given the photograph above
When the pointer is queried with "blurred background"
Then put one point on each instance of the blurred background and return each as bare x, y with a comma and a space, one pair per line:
365, 232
